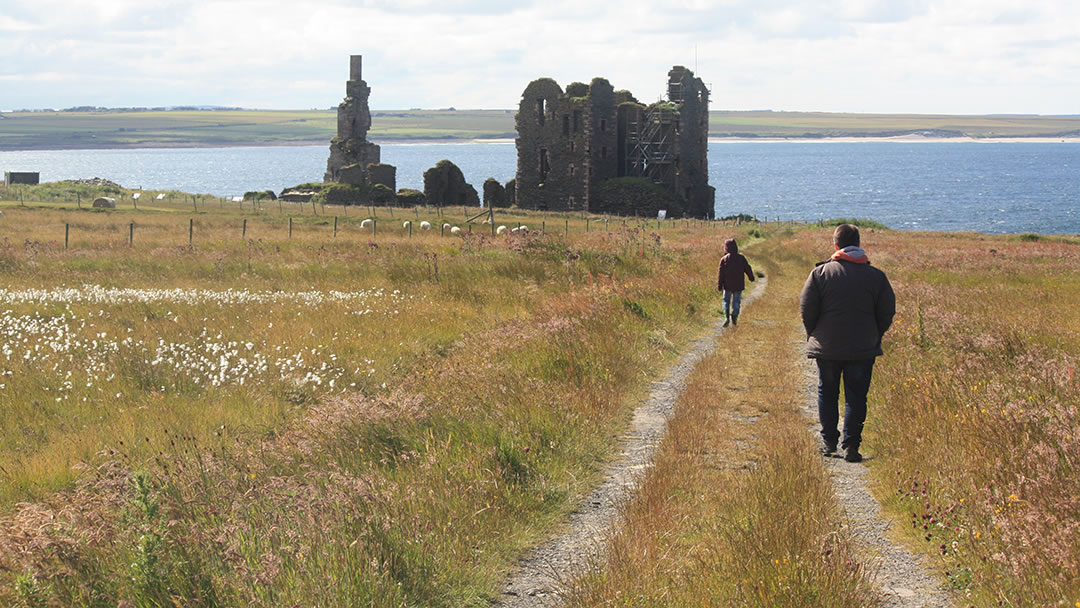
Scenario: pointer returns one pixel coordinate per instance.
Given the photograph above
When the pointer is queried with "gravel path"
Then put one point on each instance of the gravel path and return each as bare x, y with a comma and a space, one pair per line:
541, 572
904, 581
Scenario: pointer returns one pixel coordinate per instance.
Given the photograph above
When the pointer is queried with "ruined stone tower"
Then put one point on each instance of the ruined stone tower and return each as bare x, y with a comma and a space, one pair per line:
570, 142
350, 151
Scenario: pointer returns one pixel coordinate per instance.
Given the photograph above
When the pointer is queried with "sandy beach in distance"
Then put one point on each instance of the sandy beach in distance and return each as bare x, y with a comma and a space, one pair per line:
911, 138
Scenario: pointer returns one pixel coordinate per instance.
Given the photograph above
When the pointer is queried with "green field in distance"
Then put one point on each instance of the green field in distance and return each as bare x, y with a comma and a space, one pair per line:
192, 128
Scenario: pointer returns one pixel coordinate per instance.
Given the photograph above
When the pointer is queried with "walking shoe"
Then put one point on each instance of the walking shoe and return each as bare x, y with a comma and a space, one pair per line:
827, 449
727, 322
852, 455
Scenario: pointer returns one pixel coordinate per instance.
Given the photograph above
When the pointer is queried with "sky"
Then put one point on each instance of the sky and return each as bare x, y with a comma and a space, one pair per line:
874, 56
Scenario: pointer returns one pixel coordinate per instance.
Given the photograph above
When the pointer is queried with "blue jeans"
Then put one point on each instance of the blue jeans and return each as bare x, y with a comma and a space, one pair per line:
732, 300
856, 376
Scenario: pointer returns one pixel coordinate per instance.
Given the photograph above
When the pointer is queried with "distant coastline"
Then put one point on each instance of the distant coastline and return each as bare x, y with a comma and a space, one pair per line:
508, 141
98, 130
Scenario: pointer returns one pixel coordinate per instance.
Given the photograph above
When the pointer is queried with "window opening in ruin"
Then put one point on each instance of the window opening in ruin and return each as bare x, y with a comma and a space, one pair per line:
577, 121
571, 170
566, 125
544, 166
540, 110
603, 125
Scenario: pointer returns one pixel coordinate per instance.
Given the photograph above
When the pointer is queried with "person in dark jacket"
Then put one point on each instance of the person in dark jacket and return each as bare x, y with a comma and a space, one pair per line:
847, 305
730, 280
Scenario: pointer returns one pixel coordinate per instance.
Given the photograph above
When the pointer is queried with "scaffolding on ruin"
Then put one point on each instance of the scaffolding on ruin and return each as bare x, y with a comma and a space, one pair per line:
651, 144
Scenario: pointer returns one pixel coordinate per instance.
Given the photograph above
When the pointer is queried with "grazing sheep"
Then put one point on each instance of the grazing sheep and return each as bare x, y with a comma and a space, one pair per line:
425, 225
500, 230
405, 225
455, 230
366, 223
446, 226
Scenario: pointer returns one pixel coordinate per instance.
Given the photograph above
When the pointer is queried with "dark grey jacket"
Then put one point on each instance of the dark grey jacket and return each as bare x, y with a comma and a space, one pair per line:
846, 308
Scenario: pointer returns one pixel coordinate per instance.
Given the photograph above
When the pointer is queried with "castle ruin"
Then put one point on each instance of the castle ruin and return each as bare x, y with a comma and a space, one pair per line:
571, 141
350, 151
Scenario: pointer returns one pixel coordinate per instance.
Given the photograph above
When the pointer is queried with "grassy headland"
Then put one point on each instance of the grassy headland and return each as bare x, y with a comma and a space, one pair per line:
234, 421
115, 129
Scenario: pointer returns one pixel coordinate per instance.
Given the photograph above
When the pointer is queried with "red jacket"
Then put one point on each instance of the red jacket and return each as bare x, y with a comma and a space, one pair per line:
733, 266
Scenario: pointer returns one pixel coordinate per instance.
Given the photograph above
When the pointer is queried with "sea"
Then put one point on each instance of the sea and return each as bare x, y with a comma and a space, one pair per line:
991, 187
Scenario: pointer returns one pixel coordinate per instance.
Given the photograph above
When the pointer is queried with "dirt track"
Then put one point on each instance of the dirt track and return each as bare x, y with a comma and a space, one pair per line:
538, 580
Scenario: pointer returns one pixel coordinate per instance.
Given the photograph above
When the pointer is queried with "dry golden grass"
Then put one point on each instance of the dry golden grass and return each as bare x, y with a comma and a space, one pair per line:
465, 416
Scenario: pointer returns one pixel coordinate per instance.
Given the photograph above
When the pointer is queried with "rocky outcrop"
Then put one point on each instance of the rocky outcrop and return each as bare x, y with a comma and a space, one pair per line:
494, 193
444, 184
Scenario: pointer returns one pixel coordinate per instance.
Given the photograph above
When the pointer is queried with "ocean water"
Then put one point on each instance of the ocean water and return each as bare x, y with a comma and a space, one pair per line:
954, 186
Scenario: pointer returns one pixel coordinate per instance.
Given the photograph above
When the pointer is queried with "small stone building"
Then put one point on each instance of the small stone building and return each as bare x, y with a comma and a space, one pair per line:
22, 177
569, 141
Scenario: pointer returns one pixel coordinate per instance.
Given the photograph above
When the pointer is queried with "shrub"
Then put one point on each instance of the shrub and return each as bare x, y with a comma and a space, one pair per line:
408, 197
381, 194
341, 194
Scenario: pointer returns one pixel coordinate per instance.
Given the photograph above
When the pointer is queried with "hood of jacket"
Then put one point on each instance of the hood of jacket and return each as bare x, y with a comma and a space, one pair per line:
730, 246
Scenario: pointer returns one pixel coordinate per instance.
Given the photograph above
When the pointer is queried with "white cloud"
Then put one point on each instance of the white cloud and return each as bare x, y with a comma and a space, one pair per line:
966, 56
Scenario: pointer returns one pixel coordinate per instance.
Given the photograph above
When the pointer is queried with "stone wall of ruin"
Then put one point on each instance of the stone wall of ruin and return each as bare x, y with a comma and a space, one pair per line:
551, 154
571, 141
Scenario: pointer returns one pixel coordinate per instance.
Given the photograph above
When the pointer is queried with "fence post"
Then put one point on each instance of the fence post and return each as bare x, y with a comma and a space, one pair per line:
410, 230
67, 231
78, 200
566, 231
131, 234
243, 231
194, 203
335, 226
374, 226
190, 231
290, 226
586, 224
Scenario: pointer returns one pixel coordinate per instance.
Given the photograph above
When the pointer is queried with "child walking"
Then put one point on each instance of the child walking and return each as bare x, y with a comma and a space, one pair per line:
730, 280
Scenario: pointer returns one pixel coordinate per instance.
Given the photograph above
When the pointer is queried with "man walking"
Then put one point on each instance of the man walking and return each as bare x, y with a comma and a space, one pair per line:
847, 305
730, 280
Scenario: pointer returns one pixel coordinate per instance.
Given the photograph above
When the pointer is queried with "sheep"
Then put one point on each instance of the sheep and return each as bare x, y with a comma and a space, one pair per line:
366, 223
405, 225
425, 225
446, 226
455, 230
500, 230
